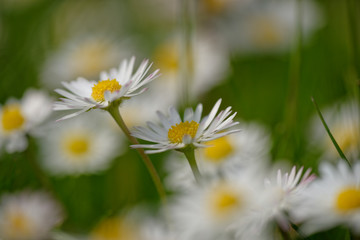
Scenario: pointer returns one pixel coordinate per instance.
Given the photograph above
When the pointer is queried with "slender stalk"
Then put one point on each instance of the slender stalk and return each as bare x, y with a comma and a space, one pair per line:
342, 155
186, 50
115, 113
190, 156
291, 103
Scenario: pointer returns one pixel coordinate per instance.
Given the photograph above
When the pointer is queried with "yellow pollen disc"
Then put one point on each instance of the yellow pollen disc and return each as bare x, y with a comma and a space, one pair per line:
266, 33
113, 229
347, 137
177, 132
219, 149
99, 89
224, 201
19, 226
166, 56
348, 199
91, 57
215, 6
77, 145
12, 118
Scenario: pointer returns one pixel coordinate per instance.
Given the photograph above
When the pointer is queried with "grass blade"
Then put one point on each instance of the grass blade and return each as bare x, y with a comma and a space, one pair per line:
342, 155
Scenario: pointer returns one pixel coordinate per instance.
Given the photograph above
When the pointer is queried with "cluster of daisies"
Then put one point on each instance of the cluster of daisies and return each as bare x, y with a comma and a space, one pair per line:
219, 170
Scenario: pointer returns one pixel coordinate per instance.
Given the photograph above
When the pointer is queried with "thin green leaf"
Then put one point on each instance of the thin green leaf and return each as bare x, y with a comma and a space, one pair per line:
342, 155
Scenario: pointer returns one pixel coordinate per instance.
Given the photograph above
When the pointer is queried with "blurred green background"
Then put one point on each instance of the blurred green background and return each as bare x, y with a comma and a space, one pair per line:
260, 85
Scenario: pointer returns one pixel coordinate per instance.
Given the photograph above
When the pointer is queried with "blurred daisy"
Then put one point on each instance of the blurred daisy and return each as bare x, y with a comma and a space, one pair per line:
21, 117
175, 133
281, 193
344, 123
269, 26
208, 211
115, 228
84, 57
28, 216
230, 153
81, 146
115, 86
210, 66
331, 200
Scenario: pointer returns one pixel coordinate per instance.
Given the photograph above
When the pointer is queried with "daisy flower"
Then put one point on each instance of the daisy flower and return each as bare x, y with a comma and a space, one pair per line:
113, 87
210, 66
268, 26
331, 200
83, 146
208, 211
343, 121
83, 56
230, 153
21, 117
28, 216
175, 133
282, 191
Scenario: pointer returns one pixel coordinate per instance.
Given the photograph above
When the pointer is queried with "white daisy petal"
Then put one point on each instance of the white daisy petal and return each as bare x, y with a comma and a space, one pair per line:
175, 133
113, 86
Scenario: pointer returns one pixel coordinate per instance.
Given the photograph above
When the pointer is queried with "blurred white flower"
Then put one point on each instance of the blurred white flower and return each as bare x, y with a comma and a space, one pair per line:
210, 66
208, 212
175, 133
331, 200
251, 146
82, 57
269, 26
28, 216
21, 117
343, 120
281, 193
84, 145
115, 86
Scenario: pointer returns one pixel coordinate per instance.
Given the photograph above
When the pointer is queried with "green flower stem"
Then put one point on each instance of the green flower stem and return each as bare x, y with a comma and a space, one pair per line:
115, 113
187, 23
190, 156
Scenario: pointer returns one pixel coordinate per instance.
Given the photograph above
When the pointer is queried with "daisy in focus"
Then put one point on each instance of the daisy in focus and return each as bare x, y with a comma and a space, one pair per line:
227, 154
331, 200
192, 131
22, 117
28, 216
83, 146
114, 87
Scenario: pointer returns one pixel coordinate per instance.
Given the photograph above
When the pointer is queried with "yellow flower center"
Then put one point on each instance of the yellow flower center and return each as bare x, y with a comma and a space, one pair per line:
266, 33
177, 132
166, 56
12, 118
215, 6
99, 89
347, 137
219, 149
77, 145
113, 229
19, 226
224, 200
91, 57
348, 199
